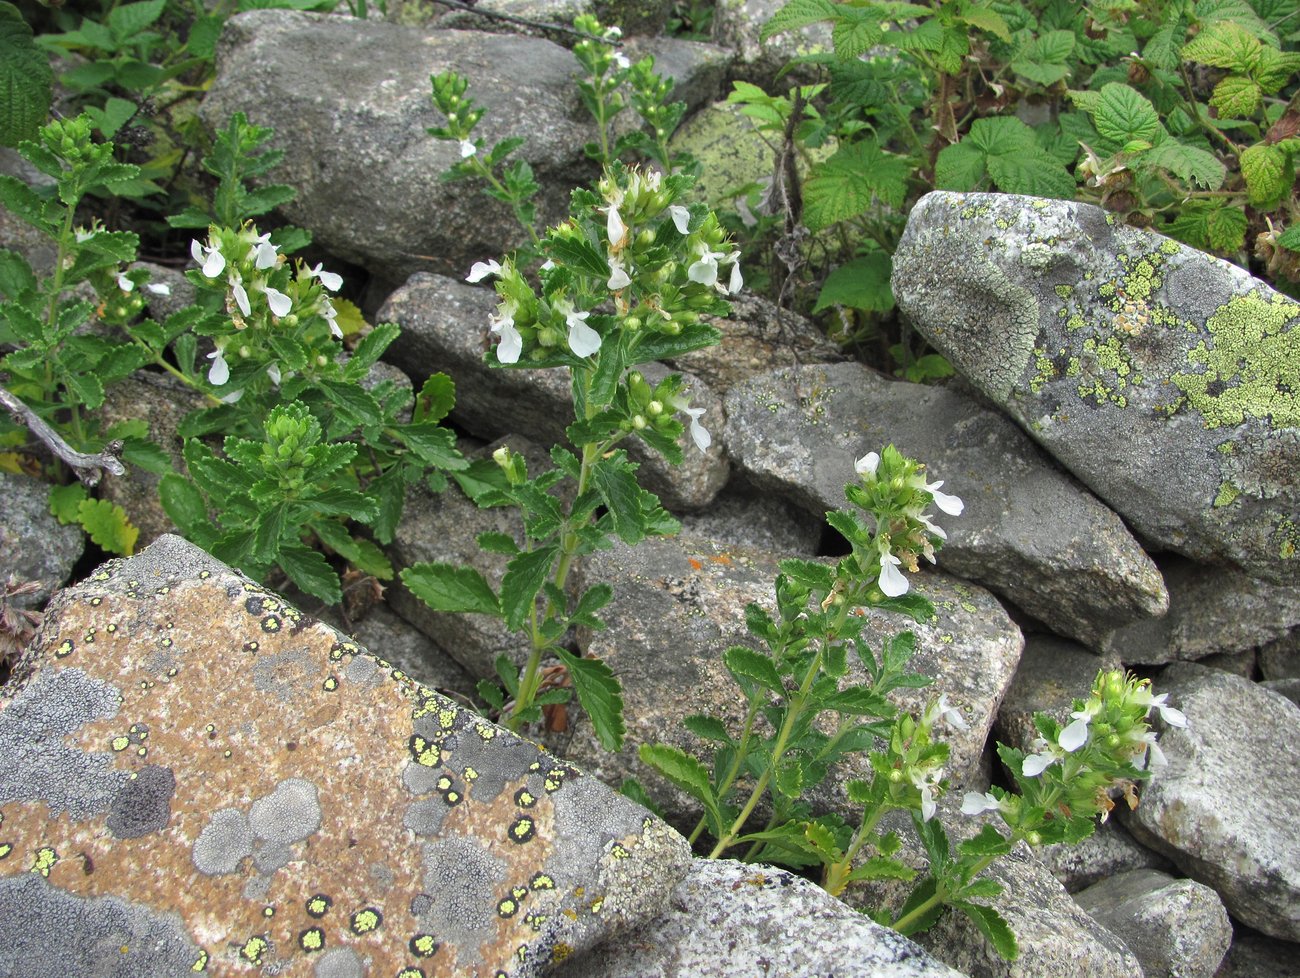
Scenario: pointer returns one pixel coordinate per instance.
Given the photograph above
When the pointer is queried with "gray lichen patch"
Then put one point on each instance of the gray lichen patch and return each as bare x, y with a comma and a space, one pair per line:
224, 842
288, 814
144, 804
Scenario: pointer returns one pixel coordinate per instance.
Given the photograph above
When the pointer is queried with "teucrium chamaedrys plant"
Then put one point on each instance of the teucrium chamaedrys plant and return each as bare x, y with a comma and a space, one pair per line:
627, 280
801, 716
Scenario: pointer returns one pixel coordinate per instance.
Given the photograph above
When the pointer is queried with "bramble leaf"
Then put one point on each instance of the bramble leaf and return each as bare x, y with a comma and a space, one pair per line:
25, 79
1224, 44
1236, 96
1225, 227
1045, 59
1121, 114
861, 283
1190, 164
796, 14
844, 186
1269, 173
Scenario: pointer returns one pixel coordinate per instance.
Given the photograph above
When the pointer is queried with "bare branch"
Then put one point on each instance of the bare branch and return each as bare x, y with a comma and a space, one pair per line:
521, 21
89, 468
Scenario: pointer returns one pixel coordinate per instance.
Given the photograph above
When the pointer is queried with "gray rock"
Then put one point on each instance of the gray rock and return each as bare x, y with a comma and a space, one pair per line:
1109, 850
743, 517
1177, 928
1225, 808
350, 102
444, 324
737, 24
1152, 371
1290, 688
1051, 675
1255, 956
1028, 531
679, 604
1280, 659
34, 546
1211, 610
772, 923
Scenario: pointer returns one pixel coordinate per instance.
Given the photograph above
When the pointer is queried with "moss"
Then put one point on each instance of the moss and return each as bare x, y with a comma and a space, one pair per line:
1227, 494
1251, 366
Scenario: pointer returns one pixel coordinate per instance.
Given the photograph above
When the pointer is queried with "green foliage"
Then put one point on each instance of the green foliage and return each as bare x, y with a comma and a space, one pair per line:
104, 522
26, 81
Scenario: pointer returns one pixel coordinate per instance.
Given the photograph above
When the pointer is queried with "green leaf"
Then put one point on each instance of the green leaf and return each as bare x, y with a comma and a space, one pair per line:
809, 573
66, 500
436, 398
497, 543
601, 697
311, 572
185, 506
1226, 228
1290, 238
1190, 164
631, 788
686, 773
446, 587
1045, 59
960, 166
524, 577
579, 255
267, 531
993, 926
371, 347
590, 602
1236, 96
1224, 44
1269, 173
130, 19
856, 31
987, 19
746, 664
1161, 48
26, 82
16, 276
707, 728
434, 445
918, 898
789, 779
615, 480
108, 525
1037, 174
844, 186
861, 283
23, 202
1123, 115
987, 842
354, 402
490, 693
797, 14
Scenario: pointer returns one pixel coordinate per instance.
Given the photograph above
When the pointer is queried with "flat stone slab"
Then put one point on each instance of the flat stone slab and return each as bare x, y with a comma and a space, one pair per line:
1164, 378
199, 777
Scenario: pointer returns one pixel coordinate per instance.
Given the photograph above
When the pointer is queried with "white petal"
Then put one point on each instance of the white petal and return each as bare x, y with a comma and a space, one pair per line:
1036, 764
583, 340
265, 253
973, 803
273, 371
618, 278
233, 396
241, 298
615, 228
1074, 736
1175, 718
699, 434
681, 218
124, 283
158, 288
280, 303
621, 60
892, 581
482, 269
1155, 756
511, 345
331, 314
737, 281
219, 372
931, 527
952, 714
704, 271
196, 249
928, 806
467, 149
867, 464
949, 504
331, 280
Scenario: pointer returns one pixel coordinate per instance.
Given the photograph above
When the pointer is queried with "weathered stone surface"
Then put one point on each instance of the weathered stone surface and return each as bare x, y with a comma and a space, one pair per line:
351, 97
444, 327
1177, 928
1212, 610
1028, 531
199, 775
1051, 674
1280, 659
1225, 808
1109, 850
1157, 374
743, 517
679, 604
737, 24
1255, 956
34, 546
1057, 939
772, 922
1290, 688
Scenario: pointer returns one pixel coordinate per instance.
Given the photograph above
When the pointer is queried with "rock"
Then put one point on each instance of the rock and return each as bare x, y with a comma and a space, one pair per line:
352, 97
1154, 372
1108, 851
544, 11
1211, 610
1255, 956
1028, 532
34, 546
743, 517
1290, 688
1280, 659
202, 777
772, 922
1177, 928
679, 604
444, 323
1052, 673
1225, 808
737, 24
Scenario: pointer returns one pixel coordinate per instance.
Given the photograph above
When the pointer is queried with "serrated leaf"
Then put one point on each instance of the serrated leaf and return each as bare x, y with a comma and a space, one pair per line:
686, 773
497, 543
616, 483
1223, 44
66, 500
1266, 170
592, 600
987, 842
789, 778
26, 82
436, 398
1162, 48
797, 14
1290, 238
446, 587
434, 445
707, 728
130, 19
311, 572
601, 697
920, 896
1190, 164
861, 283
993, 926
844, 186
1123, 114
525, 574
881, 868
746, 664
1225, 226
810, 573
579, 255
369, 349
185, 506
1045, 59
856, 31
959, 167
987, 19
108, 525
490, 693
1236, 96
1034, 173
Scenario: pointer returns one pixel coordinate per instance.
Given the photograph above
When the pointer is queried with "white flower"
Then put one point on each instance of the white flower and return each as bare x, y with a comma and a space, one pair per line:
867, 465
512, 344
482, 269
699, 434
736, 282
281, 305
1171, 716
124, 283
949, 504
618, 277
546, 266
681, 218
583, 340
273, 371
467, 149
1154, 756
83, 235
1075, 735
615, 228
621, 60
241, 294
219, 372
158, 288
973, 803
950, 713
264, 253
233, 396
931, 527
705, 270
331, 280
1036, 764
892, 582
926, 782
331, 314
210, 257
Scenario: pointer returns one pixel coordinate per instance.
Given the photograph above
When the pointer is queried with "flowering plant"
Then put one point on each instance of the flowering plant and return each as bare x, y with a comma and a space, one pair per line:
627, 280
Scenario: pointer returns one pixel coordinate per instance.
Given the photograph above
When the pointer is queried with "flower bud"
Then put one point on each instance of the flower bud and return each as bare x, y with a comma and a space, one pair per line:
655, 408
632, 323
245, 352
639, 422
321, 360
646, 238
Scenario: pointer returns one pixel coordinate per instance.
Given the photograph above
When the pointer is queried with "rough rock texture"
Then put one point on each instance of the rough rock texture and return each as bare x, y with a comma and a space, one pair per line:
737, 24
34, 546
743, 517
349, 101
1051, 674
1177, 928
1109, 850
1160, 376
198, 776
1212, 610
679, 604
444, 326
773, 923
1225, 809
1280, 659
1255, 956
1028, 531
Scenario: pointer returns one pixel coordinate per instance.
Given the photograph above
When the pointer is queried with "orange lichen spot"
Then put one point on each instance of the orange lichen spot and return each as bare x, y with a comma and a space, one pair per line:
721, 559
695, 564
